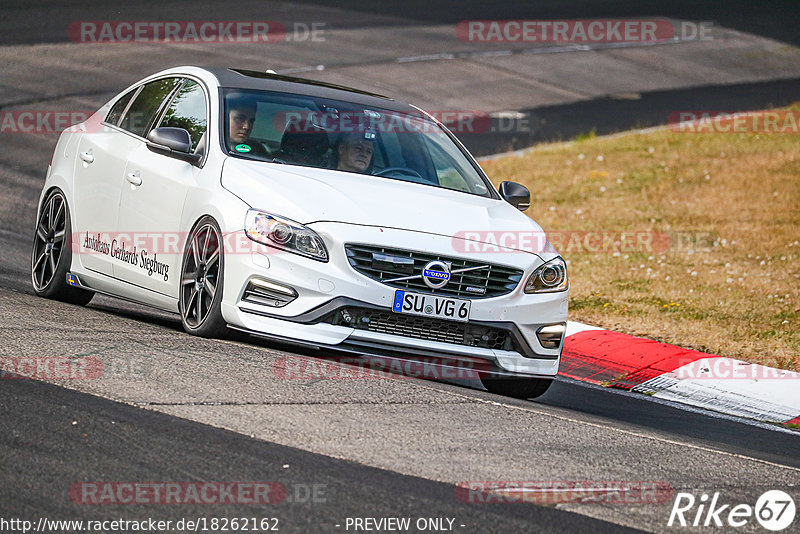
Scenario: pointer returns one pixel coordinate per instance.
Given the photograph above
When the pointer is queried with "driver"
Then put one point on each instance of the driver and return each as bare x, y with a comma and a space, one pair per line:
241, 117
354, 151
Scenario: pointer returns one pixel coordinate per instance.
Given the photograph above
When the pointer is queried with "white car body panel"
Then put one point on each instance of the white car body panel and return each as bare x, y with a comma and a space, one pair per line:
98, 186
329, 195
154, 207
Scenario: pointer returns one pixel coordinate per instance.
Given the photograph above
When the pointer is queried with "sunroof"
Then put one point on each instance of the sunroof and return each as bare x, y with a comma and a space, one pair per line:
273, 76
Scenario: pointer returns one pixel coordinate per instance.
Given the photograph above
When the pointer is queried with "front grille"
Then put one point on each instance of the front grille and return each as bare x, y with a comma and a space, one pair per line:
387, 264
386, 322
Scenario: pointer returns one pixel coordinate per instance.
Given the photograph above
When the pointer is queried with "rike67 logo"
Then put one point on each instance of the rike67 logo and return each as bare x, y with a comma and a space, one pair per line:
774, 510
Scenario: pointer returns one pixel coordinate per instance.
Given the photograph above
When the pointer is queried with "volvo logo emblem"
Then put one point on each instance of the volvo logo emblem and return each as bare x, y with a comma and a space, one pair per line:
436, 274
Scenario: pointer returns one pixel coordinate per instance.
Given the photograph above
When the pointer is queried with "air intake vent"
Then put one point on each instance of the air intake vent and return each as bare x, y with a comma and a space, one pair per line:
429, 329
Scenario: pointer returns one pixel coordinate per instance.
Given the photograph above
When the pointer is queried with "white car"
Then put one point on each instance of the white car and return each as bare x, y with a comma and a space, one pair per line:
303, 212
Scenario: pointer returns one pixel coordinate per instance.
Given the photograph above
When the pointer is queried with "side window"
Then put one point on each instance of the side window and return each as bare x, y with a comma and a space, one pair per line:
446, 170
452, 170
119, 108
146, 105
188, 111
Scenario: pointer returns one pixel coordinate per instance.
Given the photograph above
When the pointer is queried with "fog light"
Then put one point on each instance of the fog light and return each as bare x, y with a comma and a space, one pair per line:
550, 336
268, 293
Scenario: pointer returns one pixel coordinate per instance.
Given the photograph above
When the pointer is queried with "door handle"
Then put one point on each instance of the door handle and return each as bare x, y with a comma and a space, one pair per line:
87, 156
134, 178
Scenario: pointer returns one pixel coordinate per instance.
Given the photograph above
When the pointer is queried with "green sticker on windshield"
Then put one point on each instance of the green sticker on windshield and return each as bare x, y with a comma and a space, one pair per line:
242, 148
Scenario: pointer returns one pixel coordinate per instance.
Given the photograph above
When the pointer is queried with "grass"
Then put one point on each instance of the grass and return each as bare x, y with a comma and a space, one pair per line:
591, 134
713, 260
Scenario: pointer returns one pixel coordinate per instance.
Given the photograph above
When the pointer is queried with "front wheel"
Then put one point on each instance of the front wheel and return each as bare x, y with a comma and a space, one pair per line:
51, 254
200, 300
517, 387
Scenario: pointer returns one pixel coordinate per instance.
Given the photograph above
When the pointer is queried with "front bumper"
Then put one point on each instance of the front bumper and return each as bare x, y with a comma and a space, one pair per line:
324, 289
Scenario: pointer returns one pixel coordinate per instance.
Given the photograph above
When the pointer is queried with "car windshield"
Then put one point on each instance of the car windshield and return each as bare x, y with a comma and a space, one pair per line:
338, 135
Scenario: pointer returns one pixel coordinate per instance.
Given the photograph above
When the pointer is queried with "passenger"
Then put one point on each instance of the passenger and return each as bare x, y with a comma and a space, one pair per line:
241, 117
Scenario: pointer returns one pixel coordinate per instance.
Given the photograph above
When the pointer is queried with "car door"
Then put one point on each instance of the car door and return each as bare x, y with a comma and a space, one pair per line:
151, 205
102, 153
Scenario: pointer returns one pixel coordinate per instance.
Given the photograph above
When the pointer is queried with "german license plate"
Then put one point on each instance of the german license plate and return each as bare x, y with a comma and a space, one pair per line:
431, 306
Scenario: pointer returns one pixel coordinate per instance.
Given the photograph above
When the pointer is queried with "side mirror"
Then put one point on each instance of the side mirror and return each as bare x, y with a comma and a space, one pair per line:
173, 142
516, 194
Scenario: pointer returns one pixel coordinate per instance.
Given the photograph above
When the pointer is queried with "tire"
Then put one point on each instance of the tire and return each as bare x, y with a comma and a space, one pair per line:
202, 269
517, 387
51, 253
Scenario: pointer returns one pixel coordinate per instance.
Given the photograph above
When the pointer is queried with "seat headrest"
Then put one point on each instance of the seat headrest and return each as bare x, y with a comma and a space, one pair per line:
304, 142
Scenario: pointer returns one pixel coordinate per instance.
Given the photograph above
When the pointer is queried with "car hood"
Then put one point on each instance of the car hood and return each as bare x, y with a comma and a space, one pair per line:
308, 195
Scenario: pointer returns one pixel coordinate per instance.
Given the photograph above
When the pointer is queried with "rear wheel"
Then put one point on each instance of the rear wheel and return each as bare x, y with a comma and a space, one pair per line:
51, 255
520, 388
200, 299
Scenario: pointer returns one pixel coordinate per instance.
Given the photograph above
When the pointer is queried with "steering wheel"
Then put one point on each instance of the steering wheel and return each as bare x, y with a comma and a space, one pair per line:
399, 170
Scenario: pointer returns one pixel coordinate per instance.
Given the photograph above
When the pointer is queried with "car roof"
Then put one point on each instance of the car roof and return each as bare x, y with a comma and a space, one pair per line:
268, 81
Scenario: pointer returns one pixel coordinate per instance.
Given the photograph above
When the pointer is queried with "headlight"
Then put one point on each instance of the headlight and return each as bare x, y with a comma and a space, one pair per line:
284, 233
548, 278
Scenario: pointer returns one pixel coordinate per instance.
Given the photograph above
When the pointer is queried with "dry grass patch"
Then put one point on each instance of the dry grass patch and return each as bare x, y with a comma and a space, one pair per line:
729, 281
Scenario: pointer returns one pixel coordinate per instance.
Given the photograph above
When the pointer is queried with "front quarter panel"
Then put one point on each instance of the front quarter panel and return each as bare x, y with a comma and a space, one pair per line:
210, 198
